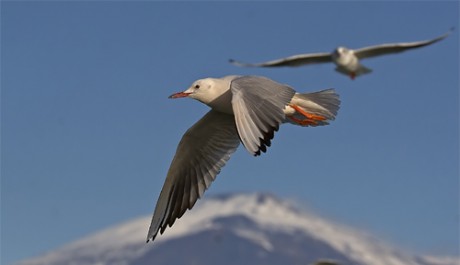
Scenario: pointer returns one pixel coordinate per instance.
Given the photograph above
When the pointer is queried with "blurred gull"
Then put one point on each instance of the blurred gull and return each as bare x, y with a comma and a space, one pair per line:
247, 109
347, 60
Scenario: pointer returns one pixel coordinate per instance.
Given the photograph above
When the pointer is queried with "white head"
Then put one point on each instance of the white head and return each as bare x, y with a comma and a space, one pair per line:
205, 90
340, 51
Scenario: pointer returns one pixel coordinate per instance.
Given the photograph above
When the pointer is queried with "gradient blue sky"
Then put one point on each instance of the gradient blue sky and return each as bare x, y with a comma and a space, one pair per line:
88, 132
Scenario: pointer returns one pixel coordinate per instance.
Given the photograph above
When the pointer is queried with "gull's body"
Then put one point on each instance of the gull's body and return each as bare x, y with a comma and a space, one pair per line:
347, 61
246, 109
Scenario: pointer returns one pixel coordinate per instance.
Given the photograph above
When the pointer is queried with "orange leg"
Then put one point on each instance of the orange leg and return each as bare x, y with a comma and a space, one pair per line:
311, 119
353, 76
305, 122
306, 114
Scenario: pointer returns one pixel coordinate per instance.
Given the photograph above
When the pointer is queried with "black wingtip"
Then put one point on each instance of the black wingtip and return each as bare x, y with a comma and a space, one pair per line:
152, 238
238, 63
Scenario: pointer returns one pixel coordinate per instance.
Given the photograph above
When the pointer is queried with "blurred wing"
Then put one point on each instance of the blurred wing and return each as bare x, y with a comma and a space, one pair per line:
389, 48
258, 105
202, 152
296, 60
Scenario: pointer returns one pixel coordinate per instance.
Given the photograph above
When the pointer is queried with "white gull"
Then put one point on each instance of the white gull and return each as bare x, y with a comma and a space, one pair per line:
347, 61
246, 109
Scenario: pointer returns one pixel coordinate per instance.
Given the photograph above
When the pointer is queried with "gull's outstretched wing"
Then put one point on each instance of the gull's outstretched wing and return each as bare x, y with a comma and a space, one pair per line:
202, 152
258, 104
389, 48
295, 60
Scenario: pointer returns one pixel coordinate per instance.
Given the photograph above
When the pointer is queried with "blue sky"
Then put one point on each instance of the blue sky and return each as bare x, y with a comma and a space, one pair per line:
88, 132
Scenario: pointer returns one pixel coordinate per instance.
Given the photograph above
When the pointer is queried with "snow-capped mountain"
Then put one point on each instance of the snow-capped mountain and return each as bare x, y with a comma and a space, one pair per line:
236, 229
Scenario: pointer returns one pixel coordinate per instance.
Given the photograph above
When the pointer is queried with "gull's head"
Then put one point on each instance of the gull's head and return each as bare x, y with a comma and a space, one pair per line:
340, 51
204, 90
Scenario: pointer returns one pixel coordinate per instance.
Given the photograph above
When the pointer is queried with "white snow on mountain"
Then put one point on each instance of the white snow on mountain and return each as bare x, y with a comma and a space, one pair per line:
122, 244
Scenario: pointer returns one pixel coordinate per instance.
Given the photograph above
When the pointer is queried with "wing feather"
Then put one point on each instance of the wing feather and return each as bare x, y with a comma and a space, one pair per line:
258, 105
389, 48
295, 60
202, 152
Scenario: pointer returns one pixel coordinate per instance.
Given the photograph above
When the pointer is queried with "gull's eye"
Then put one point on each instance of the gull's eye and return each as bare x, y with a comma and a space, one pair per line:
197, 86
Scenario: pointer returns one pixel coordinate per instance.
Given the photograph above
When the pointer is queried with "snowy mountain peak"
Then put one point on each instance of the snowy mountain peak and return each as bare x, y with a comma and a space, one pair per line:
254, 228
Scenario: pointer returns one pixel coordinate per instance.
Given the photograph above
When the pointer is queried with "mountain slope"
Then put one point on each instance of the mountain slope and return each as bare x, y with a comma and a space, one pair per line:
236, 229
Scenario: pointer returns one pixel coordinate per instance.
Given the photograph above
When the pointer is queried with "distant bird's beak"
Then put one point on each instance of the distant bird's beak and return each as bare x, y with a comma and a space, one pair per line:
179, 95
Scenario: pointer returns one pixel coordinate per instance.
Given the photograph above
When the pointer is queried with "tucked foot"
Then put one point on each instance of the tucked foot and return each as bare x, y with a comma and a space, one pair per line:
304, 122
310, 119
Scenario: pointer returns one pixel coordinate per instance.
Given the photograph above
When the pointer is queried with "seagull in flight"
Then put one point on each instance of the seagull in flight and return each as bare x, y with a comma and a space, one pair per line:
246, 109
347, 60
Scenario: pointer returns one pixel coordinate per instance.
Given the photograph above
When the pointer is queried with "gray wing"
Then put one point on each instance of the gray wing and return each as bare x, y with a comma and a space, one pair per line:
258, 104
389, 48
295, 60
202, 152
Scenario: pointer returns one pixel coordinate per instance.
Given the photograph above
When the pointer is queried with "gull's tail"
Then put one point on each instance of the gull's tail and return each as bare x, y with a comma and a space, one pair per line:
361, 70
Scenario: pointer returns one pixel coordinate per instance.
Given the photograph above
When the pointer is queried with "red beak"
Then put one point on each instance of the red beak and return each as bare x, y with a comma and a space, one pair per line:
179, 95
